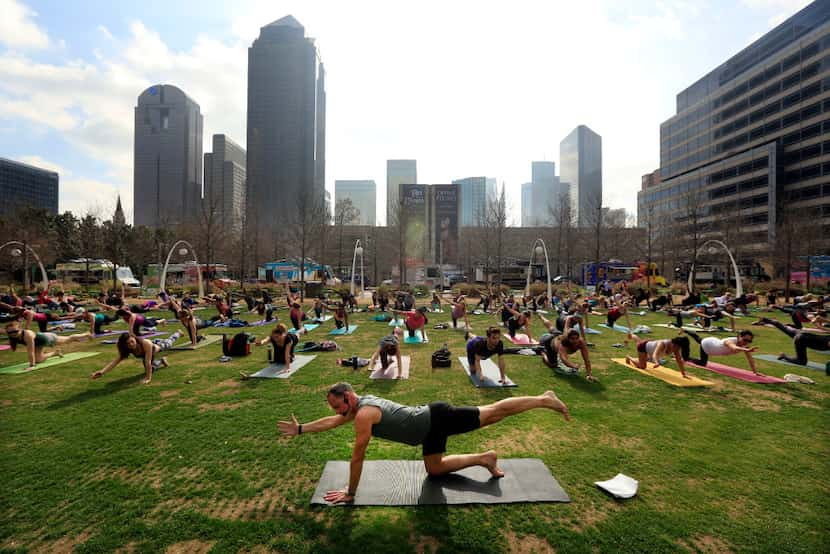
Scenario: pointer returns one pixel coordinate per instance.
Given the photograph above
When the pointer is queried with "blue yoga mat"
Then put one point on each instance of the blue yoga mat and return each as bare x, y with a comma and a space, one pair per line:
309, 327
417, 339
774, 359
343, 331
620, 328
588, 330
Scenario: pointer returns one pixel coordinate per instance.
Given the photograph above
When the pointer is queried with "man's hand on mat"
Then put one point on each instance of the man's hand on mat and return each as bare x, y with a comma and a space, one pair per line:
96, 374
338, 497
290, 428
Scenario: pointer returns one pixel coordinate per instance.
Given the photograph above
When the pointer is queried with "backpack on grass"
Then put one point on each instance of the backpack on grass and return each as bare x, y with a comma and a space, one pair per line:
239, 345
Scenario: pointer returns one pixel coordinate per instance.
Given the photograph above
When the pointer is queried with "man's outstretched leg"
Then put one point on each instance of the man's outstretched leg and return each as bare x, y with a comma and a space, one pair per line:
493, 413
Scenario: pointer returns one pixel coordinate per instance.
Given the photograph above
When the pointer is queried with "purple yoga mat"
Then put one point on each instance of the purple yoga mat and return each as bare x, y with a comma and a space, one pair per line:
740, 374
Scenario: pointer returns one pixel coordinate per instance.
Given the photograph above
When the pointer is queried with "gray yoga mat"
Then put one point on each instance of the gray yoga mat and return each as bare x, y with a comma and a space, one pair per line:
406, 483
277, 371
489, 372
774, 359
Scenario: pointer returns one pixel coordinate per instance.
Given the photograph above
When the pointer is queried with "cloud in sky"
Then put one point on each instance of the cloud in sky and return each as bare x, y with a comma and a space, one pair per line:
465, 88
18, 28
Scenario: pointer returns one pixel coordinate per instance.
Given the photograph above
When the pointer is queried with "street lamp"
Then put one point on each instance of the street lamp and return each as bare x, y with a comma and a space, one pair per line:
18, 251
739, 290
358, 251
539, 248
183, 252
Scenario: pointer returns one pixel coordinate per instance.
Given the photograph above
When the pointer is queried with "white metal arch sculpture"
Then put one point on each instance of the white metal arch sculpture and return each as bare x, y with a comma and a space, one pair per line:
163, 279
358, 251
530, 264
739, 290
39, 263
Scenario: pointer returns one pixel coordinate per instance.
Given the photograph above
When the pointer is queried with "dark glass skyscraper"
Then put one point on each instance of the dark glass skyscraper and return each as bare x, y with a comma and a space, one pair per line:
167, 166
286, 126
224, 194
580, 166
23, 185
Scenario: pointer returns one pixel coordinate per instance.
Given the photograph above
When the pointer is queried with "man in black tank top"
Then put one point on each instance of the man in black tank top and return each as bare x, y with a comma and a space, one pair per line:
426, 425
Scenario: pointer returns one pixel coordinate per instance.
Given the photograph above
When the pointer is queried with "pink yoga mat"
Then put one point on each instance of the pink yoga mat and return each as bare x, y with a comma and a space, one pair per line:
5, 347
520, 338
740, 374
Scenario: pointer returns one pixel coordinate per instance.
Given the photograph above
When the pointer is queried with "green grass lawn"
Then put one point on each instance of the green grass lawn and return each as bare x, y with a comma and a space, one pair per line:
193, 461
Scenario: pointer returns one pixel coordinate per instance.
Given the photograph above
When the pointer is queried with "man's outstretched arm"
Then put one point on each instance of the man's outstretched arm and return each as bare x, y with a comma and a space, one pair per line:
293, 428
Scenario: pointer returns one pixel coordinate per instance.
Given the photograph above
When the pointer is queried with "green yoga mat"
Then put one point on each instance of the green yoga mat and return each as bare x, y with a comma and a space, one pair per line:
22, 367
209, 339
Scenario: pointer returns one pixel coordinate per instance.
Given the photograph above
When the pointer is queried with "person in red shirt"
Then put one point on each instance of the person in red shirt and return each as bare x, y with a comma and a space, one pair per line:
415, 320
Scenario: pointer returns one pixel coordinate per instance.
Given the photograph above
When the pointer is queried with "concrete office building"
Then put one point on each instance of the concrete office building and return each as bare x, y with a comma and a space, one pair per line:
398, 172
167, 164
540, 196
580, 162
363, 195
286, 126
751, 140
476, 195
23, 185
224, 193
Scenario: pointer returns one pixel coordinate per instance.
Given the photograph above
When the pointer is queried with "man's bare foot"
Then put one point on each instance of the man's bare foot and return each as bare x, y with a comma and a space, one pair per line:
557, 405
491, 463
629, 361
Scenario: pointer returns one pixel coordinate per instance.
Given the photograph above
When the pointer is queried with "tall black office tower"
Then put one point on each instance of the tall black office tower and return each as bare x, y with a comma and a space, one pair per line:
167, 168
286, 127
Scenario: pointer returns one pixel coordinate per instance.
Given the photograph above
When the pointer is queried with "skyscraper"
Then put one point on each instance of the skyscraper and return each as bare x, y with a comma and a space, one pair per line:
23, 185
286, 126
363, 195
539, 197
224, 195
477, 193
580, 161
167, 168
398, 172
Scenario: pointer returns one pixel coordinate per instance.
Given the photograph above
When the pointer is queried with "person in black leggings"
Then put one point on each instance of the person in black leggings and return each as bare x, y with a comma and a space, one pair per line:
802, 340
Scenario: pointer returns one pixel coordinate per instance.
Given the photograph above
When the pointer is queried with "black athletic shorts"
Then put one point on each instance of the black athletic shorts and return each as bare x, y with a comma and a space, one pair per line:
446, 420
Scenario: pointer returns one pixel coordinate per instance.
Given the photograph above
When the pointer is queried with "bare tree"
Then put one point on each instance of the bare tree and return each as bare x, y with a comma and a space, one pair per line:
563, 219
345, 213
310, 215
688, 224
497, 221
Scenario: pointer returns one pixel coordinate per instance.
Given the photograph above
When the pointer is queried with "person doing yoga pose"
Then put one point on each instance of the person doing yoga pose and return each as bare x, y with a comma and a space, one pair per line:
482, 348
802, 340
36, 342
429, 426
654, 350
713, 346
142, 349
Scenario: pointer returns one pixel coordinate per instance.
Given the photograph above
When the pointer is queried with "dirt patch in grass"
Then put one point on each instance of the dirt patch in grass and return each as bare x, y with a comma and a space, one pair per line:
592, 515
190, 547
426, 544
224, 406
169, 393
706, 544
527, 544
63, 545
230, 383
511, 443
617, 441
128, 548
7, 403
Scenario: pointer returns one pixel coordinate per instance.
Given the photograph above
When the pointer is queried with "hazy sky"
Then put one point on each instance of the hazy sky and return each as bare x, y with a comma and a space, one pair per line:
466, 88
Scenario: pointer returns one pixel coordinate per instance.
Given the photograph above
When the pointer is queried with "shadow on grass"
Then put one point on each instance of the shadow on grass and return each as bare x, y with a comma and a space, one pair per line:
110, 388
578, 382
